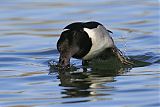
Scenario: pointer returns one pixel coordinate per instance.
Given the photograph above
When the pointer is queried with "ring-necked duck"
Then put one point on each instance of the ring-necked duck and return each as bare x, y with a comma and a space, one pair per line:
86, 40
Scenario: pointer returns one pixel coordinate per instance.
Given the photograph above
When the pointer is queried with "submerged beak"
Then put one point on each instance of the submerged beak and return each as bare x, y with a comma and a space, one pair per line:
64, 60
65, 56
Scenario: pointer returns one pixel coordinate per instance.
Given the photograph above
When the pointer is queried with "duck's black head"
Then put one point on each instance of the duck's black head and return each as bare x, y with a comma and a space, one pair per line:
73, 42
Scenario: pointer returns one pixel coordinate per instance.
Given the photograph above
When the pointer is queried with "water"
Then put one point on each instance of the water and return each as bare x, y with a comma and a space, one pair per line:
29, 31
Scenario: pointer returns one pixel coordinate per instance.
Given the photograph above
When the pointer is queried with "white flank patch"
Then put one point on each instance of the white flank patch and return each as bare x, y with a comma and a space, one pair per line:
100, 41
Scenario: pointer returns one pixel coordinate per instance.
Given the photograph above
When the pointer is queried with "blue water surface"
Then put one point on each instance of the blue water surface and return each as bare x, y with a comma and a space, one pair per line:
28, 34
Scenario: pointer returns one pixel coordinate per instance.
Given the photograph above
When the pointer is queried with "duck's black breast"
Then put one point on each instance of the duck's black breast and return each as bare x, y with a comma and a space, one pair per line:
82, 41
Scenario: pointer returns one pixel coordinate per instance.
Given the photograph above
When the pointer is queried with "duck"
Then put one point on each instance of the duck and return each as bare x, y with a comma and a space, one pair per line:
87, 41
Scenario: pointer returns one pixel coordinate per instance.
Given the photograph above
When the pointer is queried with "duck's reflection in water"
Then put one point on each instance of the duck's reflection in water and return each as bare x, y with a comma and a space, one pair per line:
85, 82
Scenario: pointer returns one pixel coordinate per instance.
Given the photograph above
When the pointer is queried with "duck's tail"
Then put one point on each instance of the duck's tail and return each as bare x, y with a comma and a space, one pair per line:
121, 56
